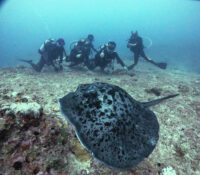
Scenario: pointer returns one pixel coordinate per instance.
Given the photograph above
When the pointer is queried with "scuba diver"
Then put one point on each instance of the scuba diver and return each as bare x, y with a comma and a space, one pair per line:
105, 58
81, 51
135, 44
50, 51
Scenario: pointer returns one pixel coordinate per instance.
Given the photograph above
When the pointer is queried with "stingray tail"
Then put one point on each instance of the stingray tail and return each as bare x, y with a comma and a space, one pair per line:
155, 102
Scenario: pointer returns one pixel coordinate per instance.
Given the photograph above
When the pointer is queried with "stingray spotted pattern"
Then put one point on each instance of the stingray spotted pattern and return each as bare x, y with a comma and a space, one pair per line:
118, 130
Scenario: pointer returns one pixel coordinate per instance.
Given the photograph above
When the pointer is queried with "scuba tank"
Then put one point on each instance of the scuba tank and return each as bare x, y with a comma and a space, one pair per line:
46, 45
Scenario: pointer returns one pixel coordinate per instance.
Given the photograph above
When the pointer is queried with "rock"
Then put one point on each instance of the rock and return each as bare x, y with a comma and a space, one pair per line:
28, 109
155, 91
168, 171
81, 153
14, 94
183, 88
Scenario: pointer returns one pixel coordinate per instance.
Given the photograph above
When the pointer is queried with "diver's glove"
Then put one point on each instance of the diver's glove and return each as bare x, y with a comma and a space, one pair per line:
125, 68
102, 54
78, 55
64, 58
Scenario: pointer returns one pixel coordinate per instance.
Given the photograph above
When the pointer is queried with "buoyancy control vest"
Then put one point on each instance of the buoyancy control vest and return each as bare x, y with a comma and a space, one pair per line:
48, 45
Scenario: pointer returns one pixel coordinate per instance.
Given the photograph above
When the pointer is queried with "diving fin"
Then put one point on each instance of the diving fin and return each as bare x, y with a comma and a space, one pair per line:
26, 61
155, 102
131, 66
162, 65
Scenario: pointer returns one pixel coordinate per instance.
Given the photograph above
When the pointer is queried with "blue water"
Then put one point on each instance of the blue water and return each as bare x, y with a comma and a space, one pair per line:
172, 25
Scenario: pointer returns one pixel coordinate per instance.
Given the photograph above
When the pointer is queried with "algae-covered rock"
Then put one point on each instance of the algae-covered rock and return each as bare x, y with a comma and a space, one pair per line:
32, 144
81, 153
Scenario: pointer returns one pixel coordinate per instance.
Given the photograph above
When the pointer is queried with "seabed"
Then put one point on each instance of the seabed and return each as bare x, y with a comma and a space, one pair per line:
36, 139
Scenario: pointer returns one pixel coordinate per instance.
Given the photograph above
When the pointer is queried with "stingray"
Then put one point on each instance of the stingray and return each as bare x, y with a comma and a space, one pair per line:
115, 128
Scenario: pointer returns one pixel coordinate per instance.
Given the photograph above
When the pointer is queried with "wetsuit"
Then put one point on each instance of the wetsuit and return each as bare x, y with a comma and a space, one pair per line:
135, 44
51, 52
104, 58
81, 52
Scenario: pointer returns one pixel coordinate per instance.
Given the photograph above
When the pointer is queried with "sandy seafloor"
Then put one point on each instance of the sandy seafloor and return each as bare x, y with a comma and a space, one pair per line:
178, 148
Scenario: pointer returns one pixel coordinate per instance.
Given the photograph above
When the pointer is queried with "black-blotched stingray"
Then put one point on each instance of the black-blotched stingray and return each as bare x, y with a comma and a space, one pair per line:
118, 130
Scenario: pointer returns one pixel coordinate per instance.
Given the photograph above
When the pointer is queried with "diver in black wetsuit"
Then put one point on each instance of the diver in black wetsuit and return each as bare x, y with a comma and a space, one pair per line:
135, 44
81, 51
105, 57
50, 51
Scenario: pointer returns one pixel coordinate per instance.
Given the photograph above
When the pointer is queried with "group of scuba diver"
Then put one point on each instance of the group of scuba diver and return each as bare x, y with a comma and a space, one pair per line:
53, 53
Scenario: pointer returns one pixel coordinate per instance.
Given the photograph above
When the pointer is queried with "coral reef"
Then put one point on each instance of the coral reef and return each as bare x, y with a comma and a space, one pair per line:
32, 144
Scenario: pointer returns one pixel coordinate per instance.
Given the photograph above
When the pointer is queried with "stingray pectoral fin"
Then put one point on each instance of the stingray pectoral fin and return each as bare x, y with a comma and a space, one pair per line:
155, 102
